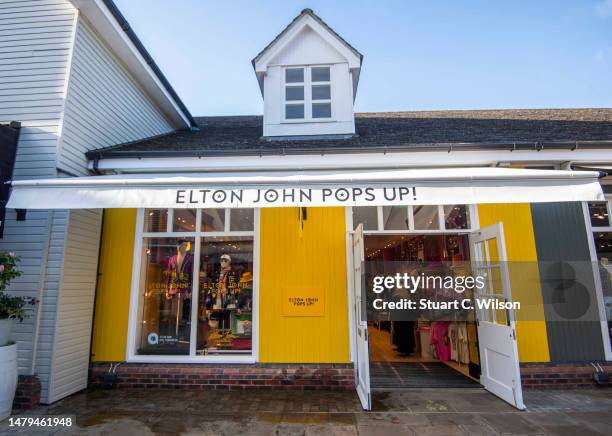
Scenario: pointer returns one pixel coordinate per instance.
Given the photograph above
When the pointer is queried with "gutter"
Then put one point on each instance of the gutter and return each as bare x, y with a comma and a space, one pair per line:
123, 23
96, 155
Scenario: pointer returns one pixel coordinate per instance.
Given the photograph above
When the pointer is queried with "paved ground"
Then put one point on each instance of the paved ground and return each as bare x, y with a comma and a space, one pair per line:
412, 412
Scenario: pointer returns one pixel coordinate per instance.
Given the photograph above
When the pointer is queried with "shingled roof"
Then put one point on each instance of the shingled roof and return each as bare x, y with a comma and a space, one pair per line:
527, 128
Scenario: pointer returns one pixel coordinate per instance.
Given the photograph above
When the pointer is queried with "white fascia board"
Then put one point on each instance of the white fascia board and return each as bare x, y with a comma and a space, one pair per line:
106, 25
347, 161
264, 61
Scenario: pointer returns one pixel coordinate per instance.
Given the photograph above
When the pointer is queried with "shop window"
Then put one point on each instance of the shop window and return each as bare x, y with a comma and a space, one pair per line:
414, 218
225, 322
426, 217
213, 220
184, 220
203, 273
598, 212
366, 215
166, 282
242, 220
395, 217
603, 247
456, 216
156, 220
602, 239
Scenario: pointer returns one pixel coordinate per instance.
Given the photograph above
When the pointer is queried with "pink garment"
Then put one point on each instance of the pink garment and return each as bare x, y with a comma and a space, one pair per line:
439, 338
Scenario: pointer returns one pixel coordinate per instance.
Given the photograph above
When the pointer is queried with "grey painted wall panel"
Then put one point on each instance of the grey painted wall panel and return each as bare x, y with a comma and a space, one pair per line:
561, 235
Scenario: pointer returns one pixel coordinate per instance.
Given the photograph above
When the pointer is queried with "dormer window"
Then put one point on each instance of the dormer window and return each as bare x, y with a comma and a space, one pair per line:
307, 95
308, 76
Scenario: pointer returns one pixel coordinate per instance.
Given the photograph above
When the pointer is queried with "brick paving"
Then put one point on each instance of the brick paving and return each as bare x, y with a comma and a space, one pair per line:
267, 412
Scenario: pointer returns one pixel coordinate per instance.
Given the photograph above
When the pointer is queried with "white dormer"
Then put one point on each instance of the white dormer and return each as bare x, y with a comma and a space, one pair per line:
308, 77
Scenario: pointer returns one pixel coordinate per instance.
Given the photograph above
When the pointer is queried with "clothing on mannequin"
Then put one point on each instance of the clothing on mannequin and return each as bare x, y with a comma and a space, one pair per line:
224, 286
179, 279
180, 271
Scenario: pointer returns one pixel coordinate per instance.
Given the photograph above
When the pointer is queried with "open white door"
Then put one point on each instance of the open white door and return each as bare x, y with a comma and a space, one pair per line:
362, 356
500, 371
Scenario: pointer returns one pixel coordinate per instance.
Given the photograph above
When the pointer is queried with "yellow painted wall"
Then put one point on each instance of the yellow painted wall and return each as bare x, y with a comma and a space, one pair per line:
524, 276
315, 259
114, 282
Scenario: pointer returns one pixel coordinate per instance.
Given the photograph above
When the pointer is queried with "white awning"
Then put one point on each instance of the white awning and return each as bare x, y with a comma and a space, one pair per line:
362, 188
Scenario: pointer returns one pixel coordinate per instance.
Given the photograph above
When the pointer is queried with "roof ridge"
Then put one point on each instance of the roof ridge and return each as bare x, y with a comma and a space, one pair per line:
441, 111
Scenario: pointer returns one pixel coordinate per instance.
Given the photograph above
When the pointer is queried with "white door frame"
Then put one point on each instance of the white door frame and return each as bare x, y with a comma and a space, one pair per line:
473, 209
601, 308
362, 351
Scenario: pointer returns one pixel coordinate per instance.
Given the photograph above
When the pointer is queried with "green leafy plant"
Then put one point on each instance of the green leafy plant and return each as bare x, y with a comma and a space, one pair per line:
11, 306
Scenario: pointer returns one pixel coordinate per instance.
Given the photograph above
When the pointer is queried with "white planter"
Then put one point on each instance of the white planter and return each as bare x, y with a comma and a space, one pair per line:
8, 379
6, 326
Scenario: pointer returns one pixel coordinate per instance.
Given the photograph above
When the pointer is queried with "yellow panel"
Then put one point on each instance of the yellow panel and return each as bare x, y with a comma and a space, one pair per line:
493, 254
114, 282
314, 257
524, 276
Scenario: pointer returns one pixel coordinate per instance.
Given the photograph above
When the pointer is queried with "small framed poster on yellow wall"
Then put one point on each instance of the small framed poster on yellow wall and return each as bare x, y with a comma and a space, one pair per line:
303, 301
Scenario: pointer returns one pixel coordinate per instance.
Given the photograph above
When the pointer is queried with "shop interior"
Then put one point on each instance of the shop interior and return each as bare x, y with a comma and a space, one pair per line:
424, 348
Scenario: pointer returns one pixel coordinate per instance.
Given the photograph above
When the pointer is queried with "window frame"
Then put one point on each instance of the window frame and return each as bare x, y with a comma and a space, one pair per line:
473, 222
137, 300
591, 231
308, 101
600, 229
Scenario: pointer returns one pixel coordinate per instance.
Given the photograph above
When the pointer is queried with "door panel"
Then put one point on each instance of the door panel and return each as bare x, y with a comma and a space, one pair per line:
500, 371
362, 356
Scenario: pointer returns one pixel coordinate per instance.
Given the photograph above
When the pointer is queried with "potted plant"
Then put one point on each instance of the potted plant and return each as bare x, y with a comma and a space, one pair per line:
11, 308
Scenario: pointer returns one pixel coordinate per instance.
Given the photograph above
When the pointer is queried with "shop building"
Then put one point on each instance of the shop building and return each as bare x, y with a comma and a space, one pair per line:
227, 252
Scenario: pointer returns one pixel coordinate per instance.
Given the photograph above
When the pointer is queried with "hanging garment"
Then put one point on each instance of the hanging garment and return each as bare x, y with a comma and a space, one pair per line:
454, 341
464, 349
439, 338
403, 336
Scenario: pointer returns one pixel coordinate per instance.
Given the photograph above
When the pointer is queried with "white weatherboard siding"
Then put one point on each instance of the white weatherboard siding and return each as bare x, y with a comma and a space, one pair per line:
104, 105
70, 352
70, 97
35, 41
49, 297
35, 45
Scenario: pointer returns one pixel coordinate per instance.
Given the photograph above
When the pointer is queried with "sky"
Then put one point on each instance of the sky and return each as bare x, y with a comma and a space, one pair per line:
418, 55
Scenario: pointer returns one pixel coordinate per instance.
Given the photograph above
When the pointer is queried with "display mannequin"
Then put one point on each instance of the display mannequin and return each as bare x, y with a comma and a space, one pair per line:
221, 298
179, 282
225, 282
180, 271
